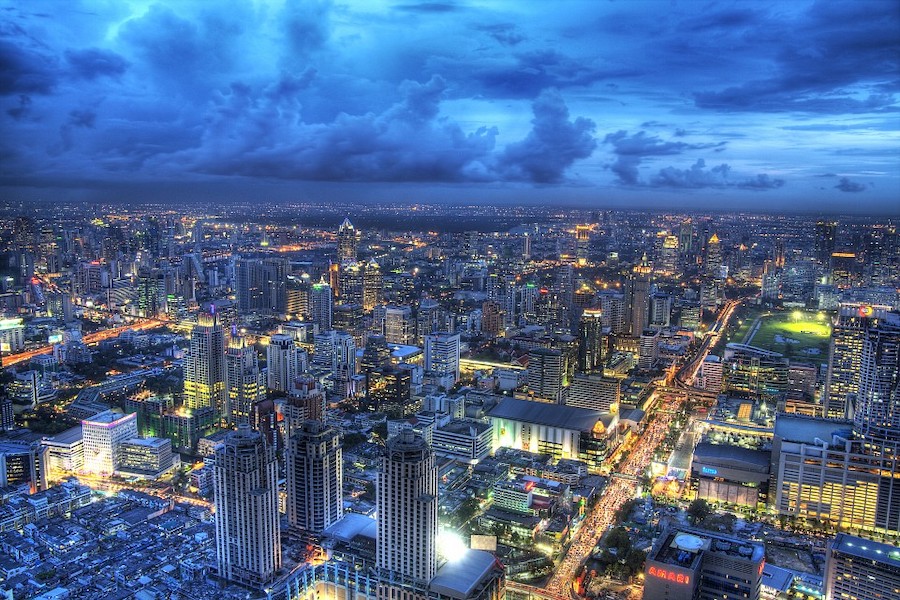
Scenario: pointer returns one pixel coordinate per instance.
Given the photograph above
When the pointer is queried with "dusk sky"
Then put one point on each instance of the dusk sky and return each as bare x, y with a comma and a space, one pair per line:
787, 105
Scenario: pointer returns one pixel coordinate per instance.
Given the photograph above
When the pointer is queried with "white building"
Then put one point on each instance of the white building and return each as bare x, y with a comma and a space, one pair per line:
246, 491
442, 357
284, 362
408, 510
102, 435
149, 458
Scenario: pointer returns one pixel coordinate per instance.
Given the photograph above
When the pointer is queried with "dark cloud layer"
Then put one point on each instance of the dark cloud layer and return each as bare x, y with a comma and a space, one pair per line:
633, 96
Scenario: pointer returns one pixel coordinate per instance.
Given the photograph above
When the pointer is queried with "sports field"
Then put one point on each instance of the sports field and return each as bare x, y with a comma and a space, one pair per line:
796, 334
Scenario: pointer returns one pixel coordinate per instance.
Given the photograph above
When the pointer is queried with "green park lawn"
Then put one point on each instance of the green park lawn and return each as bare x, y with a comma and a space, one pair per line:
796, 334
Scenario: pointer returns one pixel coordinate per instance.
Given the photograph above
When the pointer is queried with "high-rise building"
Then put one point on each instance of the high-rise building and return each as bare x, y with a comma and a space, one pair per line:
348, 241
351, 283
204, 367
876, 416
373, 286
351, 318
612, 305
712, 264
305, 401
320, 305
637, 298
314, 472
242, 379
442, 357
429, 319
824, 241
844, 354
648, 350
284, 360
407, 511
590, 340
860, 569
245, 476
582, 243
546, 373
398, 325
101, 437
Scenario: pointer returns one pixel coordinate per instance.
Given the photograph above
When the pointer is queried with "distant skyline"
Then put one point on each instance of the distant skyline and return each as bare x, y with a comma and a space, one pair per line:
763, 106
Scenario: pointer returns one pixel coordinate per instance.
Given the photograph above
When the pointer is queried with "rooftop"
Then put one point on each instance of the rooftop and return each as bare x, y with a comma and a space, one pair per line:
706, 452
458, 578
798, 428
351, 526
862, 548
542, 413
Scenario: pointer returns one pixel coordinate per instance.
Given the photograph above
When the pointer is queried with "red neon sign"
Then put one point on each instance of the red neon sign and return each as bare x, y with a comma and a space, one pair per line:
669, 575
866, 311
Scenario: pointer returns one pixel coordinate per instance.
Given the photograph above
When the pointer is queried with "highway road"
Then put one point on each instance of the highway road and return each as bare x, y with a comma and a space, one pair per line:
621, 489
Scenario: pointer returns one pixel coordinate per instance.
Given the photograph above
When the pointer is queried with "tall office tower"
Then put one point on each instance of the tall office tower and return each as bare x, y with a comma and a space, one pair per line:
373, 286
660, 310
564, 290
351, 284
860, 569
712, 263
314, 477
442, 357
242, 380
398, 325
686, 237
407, 511
779, 253
204, 367
429, 319
248, 284
491, 319
284, 361
824, 242
669, 255
844, 354
296, 298
844, 273
590, 340
612, 305
876, 416
350, 318
582, 243
305, 402
344, 365
348, 241
527, 238
101, 436
545, 374
648, 350
245, 480
320, 305
883, 256
637, 298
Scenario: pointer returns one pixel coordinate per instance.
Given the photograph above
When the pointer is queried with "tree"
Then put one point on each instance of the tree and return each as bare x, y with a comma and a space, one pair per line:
698, 510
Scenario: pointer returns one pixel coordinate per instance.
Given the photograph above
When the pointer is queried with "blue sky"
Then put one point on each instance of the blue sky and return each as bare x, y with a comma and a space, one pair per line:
761, 105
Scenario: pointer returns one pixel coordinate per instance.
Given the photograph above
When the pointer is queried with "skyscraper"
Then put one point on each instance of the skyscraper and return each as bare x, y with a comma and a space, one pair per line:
545, 374
242, 380
844, 354
590, 340
284, 362
582, 243
314, 472
824, 242
407, 511
712, 264
442, 357
305, 401
204, 367
876, 416
637, 297
245, 479
348, 241
373, 286
320, 305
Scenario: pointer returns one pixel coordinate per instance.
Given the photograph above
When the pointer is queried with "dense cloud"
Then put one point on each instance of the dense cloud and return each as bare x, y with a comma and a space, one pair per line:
847, 185
495, 96
632, 149
553, 144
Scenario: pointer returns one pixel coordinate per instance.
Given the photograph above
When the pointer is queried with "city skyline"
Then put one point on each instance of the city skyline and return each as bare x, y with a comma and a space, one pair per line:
723, 106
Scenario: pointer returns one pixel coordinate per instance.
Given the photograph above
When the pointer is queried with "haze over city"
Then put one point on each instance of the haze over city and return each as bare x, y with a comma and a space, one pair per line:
763, 105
